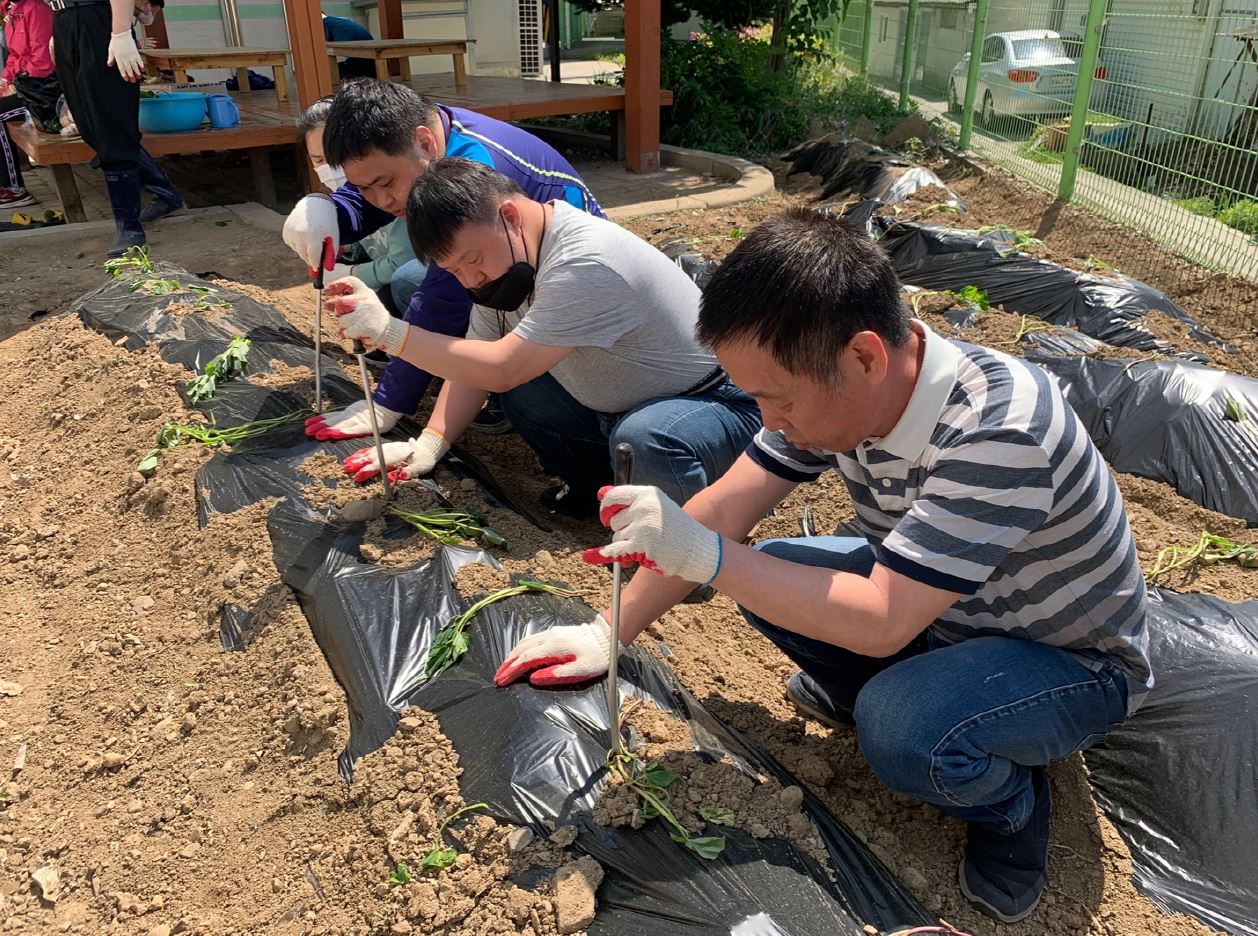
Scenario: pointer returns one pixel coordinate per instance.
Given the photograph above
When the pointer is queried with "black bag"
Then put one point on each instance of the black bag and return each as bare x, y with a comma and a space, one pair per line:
40, 96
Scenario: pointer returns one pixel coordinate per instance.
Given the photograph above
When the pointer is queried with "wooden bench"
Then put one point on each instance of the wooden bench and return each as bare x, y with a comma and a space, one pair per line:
382, 51
238, 58
265, 123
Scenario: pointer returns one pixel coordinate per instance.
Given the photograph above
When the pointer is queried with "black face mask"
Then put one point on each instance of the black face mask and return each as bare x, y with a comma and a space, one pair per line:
509, 291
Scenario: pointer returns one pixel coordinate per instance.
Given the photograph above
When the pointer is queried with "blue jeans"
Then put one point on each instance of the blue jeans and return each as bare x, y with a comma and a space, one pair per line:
405, 281
955, 725
681, 444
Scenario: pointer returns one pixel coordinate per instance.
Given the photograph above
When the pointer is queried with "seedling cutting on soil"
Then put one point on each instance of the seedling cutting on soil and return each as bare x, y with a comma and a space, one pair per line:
233, 362
717, 815
175, 435
439, 858
648, 784
1234, 411
1207, 551
1022, 240
972, 295
452, 526
135, 260
452, 641
400, 875
1028, 326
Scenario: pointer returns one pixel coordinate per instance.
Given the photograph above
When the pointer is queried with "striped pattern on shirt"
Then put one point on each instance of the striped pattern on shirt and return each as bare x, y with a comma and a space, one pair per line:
1005, 501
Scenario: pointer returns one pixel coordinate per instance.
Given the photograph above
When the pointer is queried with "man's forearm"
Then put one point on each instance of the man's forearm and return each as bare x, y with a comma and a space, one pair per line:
456, 407
839, 608
121, 14
463, 360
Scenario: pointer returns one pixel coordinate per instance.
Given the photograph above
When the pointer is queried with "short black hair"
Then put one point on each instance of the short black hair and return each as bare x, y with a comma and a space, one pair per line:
804, 284
160, 4
453, 192
315, 116
368, 115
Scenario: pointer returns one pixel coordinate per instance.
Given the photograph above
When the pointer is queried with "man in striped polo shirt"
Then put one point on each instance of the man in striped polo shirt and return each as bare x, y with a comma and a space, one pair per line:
990, 618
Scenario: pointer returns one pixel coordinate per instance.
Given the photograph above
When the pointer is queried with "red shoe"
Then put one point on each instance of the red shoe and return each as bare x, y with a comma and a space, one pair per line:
16, 198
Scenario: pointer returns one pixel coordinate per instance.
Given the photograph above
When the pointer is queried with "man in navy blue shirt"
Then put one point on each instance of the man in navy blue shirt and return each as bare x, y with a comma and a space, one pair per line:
384, 136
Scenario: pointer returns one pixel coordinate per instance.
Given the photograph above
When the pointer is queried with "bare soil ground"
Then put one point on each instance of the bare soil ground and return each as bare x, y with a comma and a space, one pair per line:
173, 787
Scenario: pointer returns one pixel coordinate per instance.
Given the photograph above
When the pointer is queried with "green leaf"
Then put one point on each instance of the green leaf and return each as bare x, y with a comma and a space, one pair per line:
1234, 411
439, 859
718, 815
657, 777
705, 846
648, 810
148, 464
201, 388
401, 875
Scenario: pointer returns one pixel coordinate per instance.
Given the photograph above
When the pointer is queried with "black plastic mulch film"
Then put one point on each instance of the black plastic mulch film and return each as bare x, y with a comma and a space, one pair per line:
532, 755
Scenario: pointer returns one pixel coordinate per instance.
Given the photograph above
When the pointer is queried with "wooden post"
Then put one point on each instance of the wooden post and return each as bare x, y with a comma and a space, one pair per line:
390, 13
157, 29
642, 85
309, 49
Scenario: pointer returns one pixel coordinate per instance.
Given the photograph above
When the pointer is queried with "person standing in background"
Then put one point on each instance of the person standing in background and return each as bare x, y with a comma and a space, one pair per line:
27, 29
100, 69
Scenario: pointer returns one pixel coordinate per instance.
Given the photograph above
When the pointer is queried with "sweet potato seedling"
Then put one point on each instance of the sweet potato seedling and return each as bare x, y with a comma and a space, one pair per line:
400, 875
973, 295
649, 783
1208, 550
175, 435
1022, 240
1234, 412
135, 260
717, 815
233, 362
452, 641
439, 858
452, 525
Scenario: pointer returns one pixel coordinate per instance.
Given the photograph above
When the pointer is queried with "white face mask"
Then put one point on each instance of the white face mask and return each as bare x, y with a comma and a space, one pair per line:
330, 177
146, 19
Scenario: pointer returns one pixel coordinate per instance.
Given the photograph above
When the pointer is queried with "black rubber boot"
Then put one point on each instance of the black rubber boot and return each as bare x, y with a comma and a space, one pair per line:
166, 199
124, 198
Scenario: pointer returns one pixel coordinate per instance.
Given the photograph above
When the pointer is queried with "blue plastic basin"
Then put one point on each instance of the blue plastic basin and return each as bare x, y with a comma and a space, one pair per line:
176, 112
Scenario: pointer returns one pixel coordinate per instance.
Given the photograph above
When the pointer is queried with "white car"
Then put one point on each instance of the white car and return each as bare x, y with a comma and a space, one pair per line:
1027, 73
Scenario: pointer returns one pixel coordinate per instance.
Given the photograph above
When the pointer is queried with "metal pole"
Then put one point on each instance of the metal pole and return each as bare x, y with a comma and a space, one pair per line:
231, 24
971, 75
867, 37
622, 472
1083, 97
910, 45
552, 37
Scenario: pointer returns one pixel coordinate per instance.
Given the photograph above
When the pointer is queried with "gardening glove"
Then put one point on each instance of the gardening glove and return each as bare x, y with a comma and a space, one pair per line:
312, 220
362, 316
559, 656
353, 422
654, 532
407, 460
124, 54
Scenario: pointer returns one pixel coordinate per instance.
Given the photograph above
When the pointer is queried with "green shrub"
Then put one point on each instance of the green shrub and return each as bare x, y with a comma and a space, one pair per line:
1243, 216
1201, 205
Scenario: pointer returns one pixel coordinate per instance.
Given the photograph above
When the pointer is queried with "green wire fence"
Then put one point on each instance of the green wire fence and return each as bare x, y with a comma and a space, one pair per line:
1145, 111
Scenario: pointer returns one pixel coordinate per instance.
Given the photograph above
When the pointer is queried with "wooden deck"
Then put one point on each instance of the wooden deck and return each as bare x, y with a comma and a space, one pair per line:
267, 122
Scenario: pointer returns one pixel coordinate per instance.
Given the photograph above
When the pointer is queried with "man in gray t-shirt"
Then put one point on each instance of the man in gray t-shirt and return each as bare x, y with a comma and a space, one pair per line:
584, 330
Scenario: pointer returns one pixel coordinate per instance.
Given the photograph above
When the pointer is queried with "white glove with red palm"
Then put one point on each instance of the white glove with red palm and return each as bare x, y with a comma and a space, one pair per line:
406, 460
362, 316
654, 532
353, 422
559, 656
311, 221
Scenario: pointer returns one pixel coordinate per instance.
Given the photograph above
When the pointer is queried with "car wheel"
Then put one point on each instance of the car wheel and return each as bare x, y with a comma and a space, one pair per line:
954, 105
989, 111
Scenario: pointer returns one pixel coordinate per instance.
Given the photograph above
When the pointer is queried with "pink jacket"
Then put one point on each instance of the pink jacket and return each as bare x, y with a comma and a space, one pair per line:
27, 29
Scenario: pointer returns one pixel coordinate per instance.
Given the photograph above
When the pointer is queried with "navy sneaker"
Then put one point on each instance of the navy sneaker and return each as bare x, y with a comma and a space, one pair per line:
491, 420
813, 702
571, 503
1004, 873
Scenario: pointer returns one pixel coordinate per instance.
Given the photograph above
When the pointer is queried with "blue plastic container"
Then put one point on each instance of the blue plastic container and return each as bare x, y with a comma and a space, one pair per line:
223, 111
176, 112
